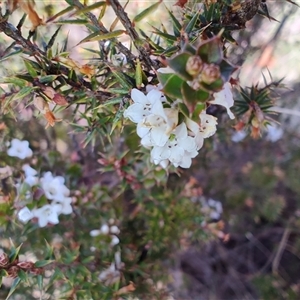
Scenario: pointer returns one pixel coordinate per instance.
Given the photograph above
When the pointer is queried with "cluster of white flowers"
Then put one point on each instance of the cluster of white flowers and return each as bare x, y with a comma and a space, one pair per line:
212, 208
112, 274
106, 229
159, 128
54, 190
53, 187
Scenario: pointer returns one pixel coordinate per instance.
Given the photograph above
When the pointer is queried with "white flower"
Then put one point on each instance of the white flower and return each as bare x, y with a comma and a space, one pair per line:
114, 229
47, 214
142, 105
212, 208
238, 136
30, 175
95, 232
25, 214
208, 124
119, 59
224, 98
54, 187
114, 240
104, 229
274, 134
29, 171
66, 206
155, 129
179, 149
19, 149
150, 87
196, 132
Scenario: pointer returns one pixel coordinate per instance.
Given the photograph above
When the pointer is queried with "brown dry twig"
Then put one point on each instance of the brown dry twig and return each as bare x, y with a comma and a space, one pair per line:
123, 17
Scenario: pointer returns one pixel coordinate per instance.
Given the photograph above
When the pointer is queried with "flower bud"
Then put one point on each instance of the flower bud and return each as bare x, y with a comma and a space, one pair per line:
49, 92
13, 271
40, 104
25, 265
37, 271
4, 260
60, 99
194, 65
210, 73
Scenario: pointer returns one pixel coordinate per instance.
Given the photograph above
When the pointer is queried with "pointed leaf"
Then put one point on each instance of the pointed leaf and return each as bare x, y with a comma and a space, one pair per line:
61, 13
183, 109
138, 74
191, 24
215, 86
171, 87
100, 37
31, 70
73, 21
178, 64
149, 10
13, 287
47, 78
24, 92
211, 51
191, 96
14, 80
43, 263
176, 25
166, 36
226, 69
90, 7
52, 40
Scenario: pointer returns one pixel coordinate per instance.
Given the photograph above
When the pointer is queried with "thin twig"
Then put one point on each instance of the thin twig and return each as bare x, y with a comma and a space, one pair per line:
123, 17
15, 34
130, 57
281, 249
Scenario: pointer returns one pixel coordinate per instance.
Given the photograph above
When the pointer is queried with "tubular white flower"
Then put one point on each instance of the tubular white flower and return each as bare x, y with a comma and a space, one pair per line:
25, 214
155, 128
114, 240
29, 171
179, 149
19, 149
66, 206
54, 187
104, 229
208, 124
95, 232
224, 98
114, 229
196, 132
142, 105
30, 175
47, 214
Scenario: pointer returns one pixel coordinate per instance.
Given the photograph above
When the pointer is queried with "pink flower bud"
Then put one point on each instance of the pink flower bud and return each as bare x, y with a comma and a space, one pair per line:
49, 92
194, 65
25, 265
13, 271
210, 73
4, 260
